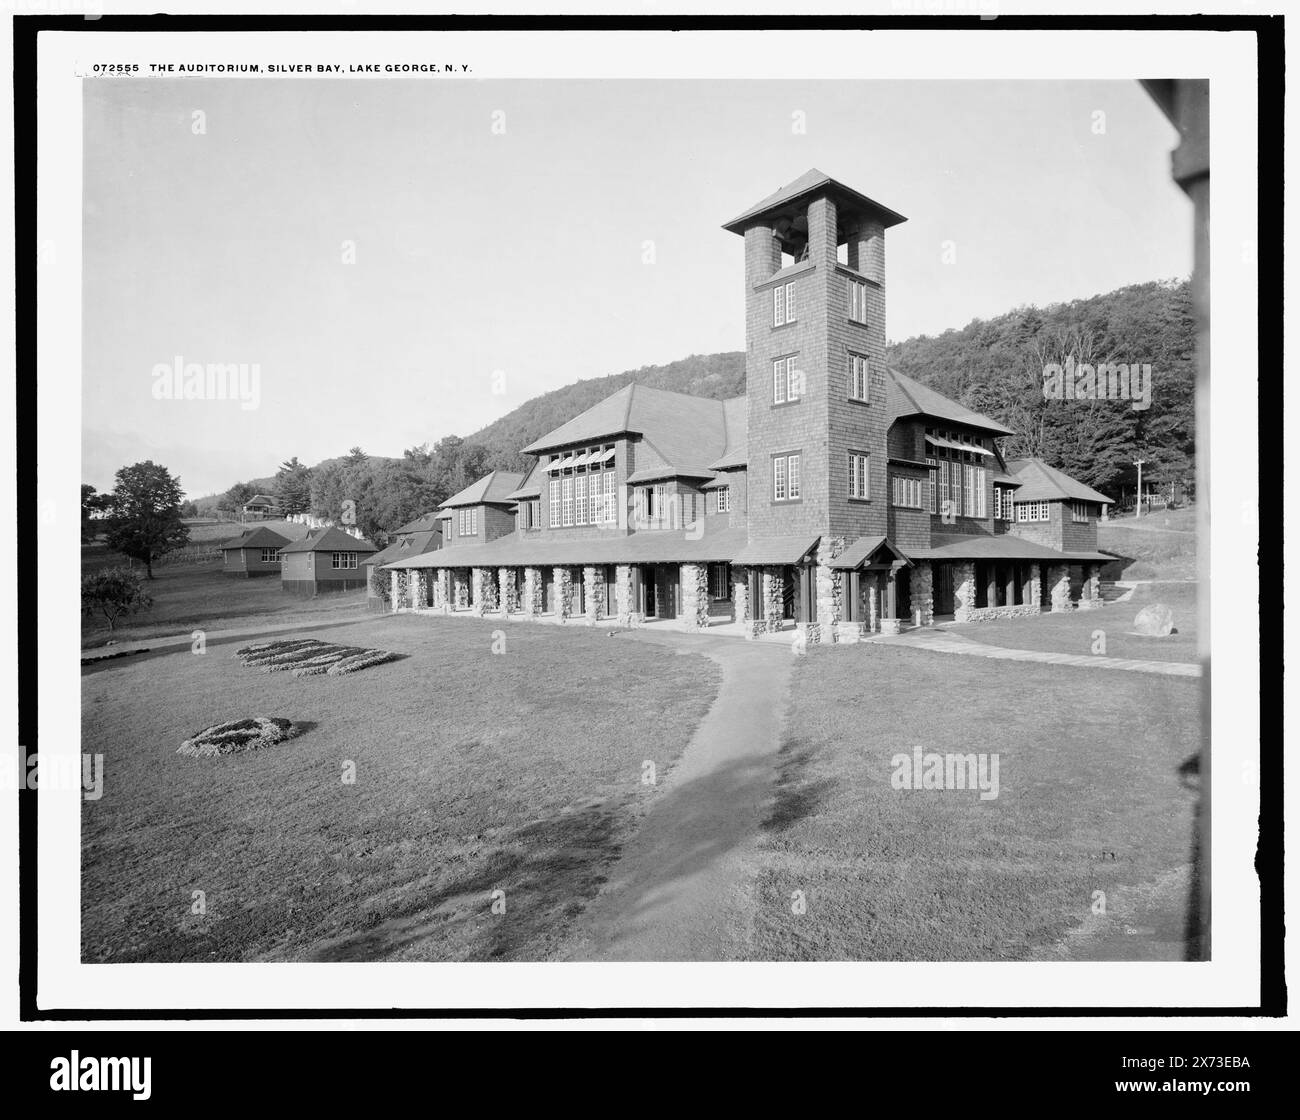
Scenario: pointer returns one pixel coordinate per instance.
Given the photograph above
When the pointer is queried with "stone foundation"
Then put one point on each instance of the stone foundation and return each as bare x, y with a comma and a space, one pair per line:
984, 614
891, 625
850, 633
811, 632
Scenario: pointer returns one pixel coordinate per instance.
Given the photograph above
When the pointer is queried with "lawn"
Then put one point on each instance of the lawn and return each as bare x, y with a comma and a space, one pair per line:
1089, 800
475, 772
1158, 545
199, 596
1076, 631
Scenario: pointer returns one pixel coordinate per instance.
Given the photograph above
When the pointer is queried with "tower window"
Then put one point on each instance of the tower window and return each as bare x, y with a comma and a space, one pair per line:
785, 478
724, 499
858, 301
859, 378
786, 381
783, 304
859, 474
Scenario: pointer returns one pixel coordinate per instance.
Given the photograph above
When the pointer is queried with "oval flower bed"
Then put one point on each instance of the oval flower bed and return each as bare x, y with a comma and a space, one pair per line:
310, 657
238, 735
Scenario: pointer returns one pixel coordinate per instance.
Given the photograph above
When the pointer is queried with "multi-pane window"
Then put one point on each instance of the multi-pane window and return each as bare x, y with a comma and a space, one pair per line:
555, 501
785, 380
566, 501
343, 560
1033, 511
783, 306
944, 497
1079, 512
931, 486
859, 475
724, 499
785, 478
719, 582
981, 492
270, 556
580, 500
859, 378
611, 509
907, 492
858, 301
1003, 505
468, 526
968, 501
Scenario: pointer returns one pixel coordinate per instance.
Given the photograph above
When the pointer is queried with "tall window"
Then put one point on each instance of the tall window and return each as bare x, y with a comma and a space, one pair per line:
785, 478
785, 380
566, 501
783, 307
719, 582
1079, 512
611, 509
858, 301
859, 475
724, 499
931, 485
968, 503
859, 378
580, 500
555, 501
981, 495
943, 487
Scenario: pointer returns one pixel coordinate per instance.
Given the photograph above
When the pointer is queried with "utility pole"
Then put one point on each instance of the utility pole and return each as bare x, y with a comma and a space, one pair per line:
1138, 463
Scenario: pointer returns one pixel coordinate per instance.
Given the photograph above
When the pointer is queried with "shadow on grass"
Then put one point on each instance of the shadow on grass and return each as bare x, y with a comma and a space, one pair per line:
546, 872
797, 795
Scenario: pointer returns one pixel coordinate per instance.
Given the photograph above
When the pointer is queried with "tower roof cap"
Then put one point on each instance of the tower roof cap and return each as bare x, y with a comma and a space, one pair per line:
809, 183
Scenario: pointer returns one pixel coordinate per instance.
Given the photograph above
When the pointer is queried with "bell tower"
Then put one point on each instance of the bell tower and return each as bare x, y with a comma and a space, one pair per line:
815, 354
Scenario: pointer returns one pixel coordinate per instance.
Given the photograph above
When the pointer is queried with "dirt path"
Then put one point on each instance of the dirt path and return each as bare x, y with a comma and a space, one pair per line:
677, 891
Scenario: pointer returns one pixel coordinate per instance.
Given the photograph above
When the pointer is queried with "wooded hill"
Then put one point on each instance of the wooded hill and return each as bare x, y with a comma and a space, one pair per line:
994, 366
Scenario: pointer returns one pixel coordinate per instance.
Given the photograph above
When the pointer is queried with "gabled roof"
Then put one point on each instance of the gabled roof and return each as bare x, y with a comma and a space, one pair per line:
530, 486
260, 537
812, 181
905, 397
676, 429
491, 489
415, 543
1041, 482
422, 524
735, 412
330, 539
260, 500
863, 549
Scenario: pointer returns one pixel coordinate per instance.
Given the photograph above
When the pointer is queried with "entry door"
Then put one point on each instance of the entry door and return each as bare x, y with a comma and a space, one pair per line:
944, 600
667, 579
648, 583
789, 593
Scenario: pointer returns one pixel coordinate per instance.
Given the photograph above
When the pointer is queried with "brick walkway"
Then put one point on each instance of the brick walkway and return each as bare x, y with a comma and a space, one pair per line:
941, 642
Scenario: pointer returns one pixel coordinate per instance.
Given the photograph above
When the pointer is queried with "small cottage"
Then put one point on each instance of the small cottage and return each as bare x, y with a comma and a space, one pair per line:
324, 560
255, 552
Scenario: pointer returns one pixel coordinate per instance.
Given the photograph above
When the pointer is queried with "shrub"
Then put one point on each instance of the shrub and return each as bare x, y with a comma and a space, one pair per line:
113, 593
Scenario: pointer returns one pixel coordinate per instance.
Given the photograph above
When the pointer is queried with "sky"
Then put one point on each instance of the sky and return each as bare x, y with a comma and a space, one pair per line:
404, 260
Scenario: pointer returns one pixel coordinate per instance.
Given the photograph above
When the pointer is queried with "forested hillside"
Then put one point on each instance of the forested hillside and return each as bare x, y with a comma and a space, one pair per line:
994, 366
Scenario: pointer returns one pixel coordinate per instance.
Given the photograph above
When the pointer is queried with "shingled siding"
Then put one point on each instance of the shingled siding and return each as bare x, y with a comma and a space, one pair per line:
247, 562
495, 522
1076, 536
1051, 532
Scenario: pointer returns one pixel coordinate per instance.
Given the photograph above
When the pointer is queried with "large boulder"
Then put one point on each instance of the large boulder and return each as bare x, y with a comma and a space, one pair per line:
1154, 621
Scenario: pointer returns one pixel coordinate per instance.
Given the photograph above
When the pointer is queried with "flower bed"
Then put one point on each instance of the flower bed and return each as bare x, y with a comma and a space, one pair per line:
238, 735
310, 657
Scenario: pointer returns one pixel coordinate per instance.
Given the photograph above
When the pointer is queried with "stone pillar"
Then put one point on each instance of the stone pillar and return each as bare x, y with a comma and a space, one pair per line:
509, 591
922, 584
963, 583
593, 586
828, 587
442, 590
625, 605
740, 594
485, 598
694, 582
873, 602
890, 623
1090, 597
563, 594
476, 596
459, 590
772, 606
532, 603
1058, 586
1034, 591
420, 592
395, 591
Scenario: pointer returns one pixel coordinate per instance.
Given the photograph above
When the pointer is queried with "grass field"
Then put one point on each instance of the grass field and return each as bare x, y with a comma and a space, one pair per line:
1160, 545
1076, 631
475, 772
1090, 800
199, 596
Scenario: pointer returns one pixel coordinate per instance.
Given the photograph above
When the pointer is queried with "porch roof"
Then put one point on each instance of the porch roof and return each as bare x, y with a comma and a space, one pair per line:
1003, 547
863, 549
775, 550
515, 551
